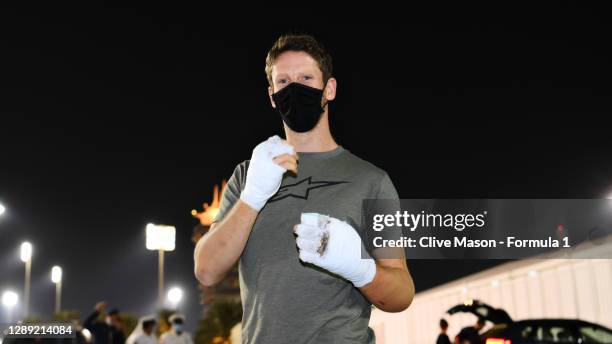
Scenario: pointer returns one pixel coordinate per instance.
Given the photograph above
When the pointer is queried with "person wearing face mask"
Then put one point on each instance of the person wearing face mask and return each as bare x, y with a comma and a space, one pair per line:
177, 334
109, 331
289, 217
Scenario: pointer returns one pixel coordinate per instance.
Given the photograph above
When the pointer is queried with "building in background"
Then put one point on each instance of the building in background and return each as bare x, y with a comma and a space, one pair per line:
229, 288
572, 285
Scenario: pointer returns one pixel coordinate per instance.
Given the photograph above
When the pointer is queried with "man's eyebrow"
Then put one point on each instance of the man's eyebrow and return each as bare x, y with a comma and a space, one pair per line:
280, 76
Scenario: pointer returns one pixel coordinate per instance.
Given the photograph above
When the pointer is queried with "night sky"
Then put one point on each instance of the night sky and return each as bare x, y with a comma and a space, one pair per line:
111, 118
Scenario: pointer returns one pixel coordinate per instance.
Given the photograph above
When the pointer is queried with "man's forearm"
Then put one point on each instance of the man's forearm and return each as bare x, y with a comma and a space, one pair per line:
88, 323
217, 251
392, 289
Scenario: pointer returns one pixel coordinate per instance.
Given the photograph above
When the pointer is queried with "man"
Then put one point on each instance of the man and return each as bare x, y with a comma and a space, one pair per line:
109, 331
144, 333
443, 337
471, 334
177, 334
302, 277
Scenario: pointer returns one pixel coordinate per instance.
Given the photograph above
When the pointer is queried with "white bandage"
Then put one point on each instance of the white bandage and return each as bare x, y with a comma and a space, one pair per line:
335, 246
264, 176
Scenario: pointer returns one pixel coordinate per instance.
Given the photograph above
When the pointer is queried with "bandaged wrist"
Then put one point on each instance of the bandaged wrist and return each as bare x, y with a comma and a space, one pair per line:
252, 200
364, 274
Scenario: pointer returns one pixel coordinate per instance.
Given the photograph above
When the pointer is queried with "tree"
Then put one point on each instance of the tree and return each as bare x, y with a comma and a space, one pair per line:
217, 323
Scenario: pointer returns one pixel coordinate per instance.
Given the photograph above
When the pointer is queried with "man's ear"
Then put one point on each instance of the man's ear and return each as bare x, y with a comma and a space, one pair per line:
330, 89
270, 93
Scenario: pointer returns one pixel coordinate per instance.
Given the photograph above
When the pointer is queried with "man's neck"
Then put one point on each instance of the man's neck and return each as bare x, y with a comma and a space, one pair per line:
318, 139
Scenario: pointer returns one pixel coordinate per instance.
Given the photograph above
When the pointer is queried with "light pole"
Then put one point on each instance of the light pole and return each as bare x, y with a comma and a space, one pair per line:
9, 300
160, 238
56, 277
26, 257
175, 295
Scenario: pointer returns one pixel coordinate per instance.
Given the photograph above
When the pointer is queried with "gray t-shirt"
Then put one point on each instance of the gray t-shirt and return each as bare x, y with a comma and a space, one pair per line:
285, 300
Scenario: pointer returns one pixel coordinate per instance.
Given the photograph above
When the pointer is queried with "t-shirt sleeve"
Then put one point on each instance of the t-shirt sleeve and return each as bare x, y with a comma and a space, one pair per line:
387, 189
231, 193
389, 204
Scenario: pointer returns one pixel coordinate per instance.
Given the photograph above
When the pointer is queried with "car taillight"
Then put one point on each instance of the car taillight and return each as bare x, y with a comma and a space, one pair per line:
498, 341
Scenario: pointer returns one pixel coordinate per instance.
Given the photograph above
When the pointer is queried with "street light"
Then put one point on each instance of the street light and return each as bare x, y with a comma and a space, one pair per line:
9, 300
56, 277
26, 252
175, 295
2, 209
160, 238
26, 257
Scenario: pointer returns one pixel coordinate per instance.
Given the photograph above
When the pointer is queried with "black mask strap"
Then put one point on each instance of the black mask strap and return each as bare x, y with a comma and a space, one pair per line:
326, 102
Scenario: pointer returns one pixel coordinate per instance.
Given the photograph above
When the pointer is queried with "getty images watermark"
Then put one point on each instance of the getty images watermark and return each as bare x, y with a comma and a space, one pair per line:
486, 228
53, 330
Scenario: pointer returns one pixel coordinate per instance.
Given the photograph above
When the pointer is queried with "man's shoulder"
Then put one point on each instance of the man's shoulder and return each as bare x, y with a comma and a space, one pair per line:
442, 339
243, 165
240, 170
468, 330
362, 166
358, 165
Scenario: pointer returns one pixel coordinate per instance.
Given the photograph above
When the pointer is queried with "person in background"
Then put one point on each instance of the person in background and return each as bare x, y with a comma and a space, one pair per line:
177, 334
470, 334
144, 333
109, 331
443, 337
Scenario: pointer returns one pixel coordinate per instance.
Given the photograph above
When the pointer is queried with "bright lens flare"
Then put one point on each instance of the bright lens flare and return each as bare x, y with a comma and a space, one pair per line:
175, 295
26, 252
56, 274
9, 299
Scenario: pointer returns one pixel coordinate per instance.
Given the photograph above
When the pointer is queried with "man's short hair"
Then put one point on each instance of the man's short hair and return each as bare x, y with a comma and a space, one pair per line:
443, 324
176, 318
305, 43
148, 323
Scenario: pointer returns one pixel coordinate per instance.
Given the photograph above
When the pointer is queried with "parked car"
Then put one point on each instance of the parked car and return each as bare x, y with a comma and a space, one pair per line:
532, 331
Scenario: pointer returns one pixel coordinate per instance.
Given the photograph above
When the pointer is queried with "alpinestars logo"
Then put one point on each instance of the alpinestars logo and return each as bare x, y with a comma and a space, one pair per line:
301, 189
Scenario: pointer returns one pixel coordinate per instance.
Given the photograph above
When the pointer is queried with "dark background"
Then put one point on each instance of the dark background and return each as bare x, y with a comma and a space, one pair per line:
115, 117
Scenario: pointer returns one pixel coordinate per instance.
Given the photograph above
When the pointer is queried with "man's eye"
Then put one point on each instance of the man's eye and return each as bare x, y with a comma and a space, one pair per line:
282, 81
307, 77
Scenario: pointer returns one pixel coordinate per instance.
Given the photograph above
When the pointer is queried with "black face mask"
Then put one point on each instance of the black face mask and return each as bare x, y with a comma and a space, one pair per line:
299, 106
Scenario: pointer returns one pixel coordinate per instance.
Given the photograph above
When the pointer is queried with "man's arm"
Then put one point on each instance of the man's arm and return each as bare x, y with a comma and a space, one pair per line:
89, 321
392, 289
218, 250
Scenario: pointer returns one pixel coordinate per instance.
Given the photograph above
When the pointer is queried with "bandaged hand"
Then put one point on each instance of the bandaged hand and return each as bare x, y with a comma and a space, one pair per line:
335, 246
265, 174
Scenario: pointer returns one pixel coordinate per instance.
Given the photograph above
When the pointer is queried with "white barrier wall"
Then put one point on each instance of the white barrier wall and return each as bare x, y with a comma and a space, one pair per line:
542, 288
